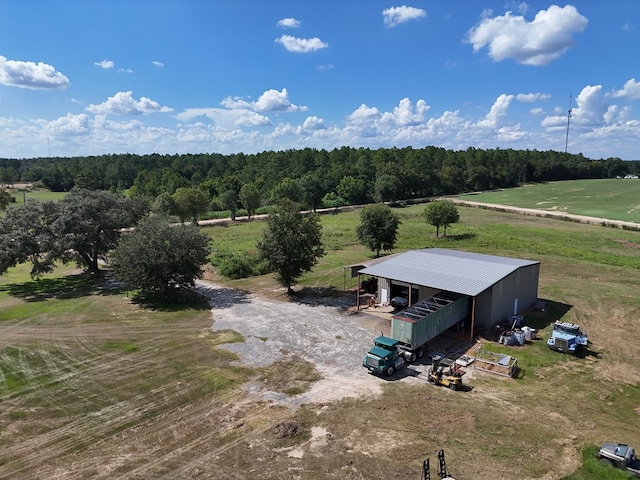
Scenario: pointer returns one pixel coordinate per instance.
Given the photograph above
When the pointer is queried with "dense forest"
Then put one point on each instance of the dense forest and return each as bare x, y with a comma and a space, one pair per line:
314, 177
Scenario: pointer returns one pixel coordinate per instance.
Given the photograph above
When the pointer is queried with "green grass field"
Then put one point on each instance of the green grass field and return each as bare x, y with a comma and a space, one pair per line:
613, 199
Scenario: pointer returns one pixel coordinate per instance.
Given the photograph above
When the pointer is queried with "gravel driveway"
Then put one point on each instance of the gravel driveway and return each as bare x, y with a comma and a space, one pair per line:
332, 340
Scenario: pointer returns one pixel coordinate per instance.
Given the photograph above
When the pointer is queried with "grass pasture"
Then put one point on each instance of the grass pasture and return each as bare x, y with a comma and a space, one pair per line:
613, 199
93, 385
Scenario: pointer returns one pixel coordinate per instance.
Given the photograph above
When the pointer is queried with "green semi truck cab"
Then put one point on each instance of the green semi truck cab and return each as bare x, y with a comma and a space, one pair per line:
412, 328
385, 357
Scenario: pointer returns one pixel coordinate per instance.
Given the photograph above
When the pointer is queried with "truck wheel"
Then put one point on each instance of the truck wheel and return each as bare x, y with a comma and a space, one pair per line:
453, 386
431, 380
420, 352
606, 461
412, 357
390, 370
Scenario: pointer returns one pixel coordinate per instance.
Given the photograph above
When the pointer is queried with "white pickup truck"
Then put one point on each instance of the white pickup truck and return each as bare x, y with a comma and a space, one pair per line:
621, 456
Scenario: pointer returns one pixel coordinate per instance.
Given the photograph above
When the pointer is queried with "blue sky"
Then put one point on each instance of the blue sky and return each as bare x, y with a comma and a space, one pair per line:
88, 77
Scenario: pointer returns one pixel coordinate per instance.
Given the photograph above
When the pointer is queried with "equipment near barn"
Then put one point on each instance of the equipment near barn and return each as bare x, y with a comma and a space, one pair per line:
445, 373
567, 338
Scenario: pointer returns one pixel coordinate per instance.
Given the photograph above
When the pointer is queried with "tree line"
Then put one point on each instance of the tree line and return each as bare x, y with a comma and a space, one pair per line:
313, 178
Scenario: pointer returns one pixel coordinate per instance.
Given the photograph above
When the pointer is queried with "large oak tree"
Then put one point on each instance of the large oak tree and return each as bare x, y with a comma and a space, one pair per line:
158, 258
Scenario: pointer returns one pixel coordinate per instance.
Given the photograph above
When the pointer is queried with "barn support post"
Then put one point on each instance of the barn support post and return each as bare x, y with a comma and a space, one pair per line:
473, 318
358, 294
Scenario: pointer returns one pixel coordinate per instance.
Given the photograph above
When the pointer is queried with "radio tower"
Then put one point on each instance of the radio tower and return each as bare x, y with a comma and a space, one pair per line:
566, 142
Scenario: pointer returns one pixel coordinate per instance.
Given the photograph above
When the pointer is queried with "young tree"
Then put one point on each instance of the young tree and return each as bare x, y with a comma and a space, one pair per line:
311, 190
291, 244
378, 228
250, 198
190, 203
441, 213
387, 188
159, 258
229, 200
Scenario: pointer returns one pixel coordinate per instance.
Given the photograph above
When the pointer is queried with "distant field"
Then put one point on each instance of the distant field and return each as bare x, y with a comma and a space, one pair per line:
22, 194
613, 199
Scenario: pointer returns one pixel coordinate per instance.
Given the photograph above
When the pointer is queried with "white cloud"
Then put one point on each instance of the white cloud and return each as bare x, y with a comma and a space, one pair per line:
631, 90
406, 114
313, 123
364, 113
301, 45
124, 70
289, 23
270, 101
532, 97
123, 103
35, 76
498, 111
394, 16
536, 112
158, 64
106, 64
226, 118
536, 43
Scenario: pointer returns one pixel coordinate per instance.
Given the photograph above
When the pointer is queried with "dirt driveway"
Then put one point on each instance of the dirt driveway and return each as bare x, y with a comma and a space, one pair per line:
324, 335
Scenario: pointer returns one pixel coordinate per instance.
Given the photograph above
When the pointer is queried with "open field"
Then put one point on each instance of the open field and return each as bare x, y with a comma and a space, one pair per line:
93, 385
613, 199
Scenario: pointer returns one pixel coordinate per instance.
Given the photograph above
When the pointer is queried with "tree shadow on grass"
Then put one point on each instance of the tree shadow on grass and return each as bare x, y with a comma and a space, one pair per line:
67, 287
182, 300
460, 236
317, 296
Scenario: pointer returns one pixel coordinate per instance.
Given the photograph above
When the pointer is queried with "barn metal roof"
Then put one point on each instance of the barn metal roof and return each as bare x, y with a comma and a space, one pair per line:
451, 270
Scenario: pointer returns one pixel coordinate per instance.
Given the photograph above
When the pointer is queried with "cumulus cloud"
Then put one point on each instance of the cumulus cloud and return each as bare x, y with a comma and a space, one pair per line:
226, 118
123, 103
313, 123
532, 97
158, 64
394, 16
289, 23
35, 76
631, 91
406, 114
270, 101
536, 43
106, 64
590, 110
301, 45
498, 111
69, 125
364, 113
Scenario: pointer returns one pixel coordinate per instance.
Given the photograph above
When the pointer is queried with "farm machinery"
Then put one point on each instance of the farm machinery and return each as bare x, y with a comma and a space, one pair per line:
445, 373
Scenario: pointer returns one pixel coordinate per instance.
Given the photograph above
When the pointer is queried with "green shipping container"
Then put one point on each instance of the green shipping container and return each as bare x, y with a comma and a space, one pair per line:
427, 319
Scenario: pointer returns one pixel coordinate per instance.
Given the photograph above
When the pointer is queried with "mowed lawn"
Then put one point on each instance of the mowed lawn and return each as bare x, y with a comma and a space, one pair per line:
612, 199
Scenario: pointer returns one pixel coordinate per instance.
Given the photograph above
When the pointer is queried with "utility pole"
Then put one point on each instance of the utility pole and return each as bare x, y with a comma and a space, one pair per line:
566, 142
